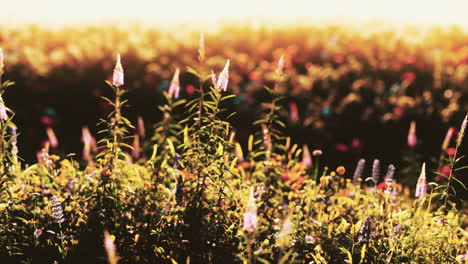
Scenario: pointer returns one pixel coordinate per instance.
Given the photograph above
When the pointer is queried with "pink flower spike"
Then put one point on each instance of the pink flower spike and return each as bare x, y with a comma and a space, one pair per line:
213, 78
306, 157
250, 214
3, 113
118, 77
141, 126
412, 139
1, 62
223, 78
174, 88
136, 146
52, 138
421, 187
280, 66
447, 138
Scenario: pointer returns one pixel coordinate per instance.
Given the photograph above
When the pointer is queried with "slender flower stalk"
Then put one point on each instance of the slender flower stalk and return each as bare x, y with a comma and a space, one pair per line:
421, 187
109, 246
389, 179
174, 88
447, 138
365, 231
376, 171
454, 158
57, 211
1, 64
118, 76
52, 138
280, 66
136, 146
141, 127
462, 131
412, 139
3, 112
221, 82
358, 171
306, 157
89, 143
250, 214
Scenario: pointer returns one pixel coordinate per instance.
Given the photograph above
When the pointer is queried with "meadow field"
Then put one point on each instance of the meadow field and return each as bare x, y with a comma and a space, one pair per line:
294, 144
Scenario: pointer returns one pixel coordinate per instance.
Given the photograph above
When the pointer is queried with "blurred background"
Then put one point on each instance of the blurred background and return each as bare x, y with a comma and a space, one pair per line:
357, 73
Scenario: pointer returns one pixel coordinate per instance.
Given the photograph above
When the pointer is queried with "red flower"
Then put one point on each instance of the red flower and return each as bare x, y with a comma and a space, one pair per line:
451, 151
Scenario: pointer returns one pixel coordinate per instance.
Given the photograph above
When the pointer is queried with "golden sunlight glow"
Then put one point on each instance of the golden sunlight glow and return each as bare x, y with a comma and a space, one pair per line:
65, 12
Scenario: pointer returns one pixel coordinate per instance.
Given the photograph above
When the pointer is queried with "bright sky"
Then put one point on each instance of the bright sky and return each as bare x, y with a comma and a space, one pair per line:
64, 12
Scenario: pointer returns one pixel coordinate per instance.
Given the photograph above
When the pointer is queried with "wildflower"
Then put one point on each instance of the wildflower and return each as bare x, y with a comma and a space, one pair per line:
3, 113
389, 178
57, 210
421, 187
250, 214
451, 151
141, 127
447, 138
37, 233
109, 246
223, 78
412, 139
174, 88
340, 170
52, 137
317, 153
280, 67
376, 171
462, 131
136, 146
88, 141
365, 231
118, 76
293, 112
12, 132
309, 239
43, 158
1, 63
358, 172
306, 158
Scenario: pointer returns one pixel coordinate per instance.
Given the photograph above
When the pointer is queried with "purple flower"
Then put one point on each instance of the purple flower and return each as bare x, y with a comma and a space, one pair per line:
365, 231
57, 211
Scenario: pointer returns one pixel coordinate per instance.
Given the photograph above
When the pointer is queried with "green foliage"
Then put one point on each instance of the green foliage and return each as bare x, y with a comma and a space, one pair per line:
187, 203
